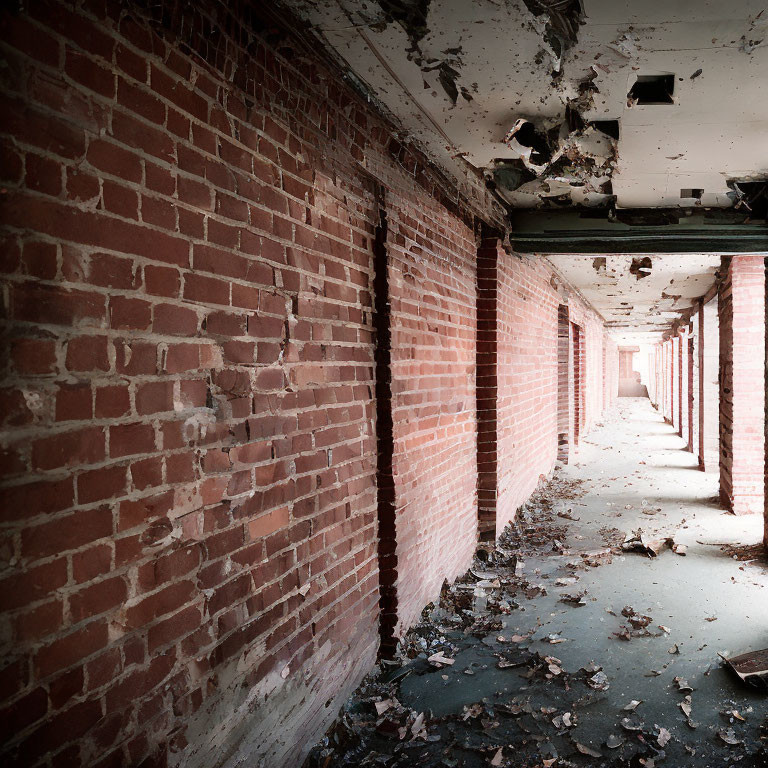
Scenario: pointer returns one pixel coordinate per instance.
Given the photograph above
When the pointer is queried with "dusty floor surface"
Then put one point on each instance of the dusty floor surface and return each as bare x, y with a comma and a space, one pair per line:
540, 654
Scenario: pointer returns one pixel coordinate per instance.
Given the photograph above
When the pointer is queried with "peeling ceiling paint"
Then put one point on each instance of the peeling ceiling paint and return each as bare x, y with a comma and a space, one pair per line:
460, 76
639, 297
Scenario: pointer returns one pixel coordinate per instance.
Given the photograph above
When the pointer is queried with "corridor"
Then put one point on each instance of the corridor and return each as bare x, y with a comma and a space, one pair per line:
532, 679
318, 313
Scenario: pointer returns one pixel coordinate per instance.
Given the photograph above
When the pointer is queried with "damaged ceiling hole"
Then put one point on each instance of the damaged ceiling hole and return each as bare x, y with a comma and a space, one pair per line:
527, 135
652, 89
641, 268
691, 193
608, 127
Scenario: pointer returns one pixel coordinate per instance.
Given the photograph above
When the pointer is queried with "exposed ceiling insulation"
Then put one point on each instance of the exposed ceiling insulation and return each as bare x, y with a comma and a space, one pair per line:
532, 93
639, 296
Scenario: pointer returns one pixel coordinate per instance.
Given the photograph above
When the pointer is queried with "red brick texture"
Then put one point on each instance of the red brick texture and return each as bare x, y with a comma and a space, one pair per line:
742, 383
709, 380
190, 529
523, 396
189, 446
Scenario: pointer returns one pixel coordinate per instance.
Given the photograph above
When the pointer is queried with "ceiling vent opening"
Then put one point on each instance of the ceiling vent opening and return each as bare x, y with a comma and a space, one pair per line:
608, 127
652, 89
694, 194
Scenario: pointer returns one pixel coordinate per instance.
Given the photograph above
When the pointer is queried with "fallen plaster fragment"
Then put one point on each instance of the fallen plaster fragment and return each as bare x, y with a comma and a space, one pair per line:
639, 542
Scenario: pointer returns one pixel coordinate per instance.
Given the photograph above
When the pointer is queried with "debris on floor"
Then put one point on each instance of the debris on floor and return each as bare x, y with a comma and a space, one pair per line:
752, 668
523, 661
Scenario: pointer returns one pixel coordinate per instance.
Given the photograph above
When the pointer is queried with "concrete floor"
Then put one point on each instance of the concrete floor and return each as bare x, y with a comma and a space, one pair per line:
701, 604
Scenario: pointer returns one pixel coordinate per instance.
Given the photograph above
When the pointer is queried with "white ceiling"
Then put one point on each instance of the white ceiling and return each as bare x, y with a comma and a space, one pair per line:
638, 310
716, 129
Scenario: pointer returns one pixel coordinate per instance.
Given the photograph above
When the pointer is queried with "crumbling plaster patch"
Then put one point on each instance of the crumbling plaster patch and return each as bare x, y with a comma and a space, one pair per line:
460, 75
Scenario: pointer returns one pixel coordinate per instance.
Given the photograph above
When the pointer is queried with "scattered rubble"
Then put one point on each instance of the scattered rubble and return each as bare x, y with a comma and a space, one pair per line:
541, 711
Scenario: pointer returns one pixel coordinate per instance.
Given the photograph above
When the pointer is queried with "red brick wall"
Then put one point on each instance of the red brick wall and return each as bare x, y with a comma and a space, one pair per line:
527, 348
741, 310
189, 447
432, 289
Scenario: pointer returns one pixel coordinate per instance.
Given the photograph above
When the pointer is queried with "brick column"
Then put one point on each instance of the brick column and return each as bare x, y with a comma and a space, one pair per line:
742, 383
682, 378
564, 383
690, 384
710, 387
698, 330
487, 346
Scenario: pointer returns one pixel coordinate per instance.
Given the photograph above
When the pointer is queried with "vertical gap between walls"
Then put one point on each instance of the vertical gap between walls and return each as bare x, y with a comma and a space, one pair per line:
385, 443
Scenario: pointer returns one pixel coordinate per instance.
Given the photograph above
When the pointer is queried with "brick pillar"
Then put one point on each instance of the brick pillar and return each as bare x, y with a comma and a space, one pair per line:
698, 333
742, 383
487, 346
674, 416
563, 383
710, 386
682, 380
691, 385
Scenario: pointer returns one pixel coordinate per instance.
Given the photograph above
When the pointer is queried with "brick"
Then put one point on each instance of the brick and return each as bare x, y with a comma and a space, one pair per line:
66, 532
268, 523
115, 160
159, 603
91, 562
120, 200
100, 484
70, 649
112, 402
98, 598
43, 174
40, 496
32, 357
129, 314
154, 397
162, 281
39, 622
66, 449
207, 290
36, 583
53, 305
22, 713
174, 320
130, 439
74, 402
88, 353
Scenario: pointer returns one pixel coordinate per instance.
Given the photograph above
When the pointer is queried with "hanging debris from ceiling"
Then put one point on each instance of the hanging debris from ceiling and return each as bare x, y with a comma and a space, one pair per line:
750, 196
564, 17
552, 164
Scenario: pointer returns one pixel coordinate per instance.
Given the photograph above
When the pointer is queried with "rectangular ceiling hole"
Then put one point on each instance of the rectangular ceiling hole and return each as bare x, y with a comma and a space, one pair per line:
693, 193
653, 89
608, 127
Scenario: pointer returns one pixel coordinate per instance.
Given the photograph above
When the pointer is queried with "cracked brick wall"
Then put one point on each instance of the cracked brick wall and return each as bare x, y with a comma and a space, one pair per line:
189, 528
